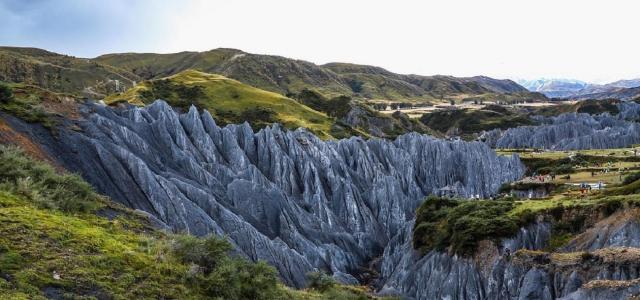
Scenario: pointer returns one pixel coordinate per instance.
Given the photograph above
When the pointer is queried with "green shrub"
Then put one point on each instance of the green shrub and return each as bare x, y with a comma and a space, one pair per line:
320, 281
458, 225
259, 116
586, 256
6, 94
177, 95
204, 252
608, 207
631, 178
337, 107
40, 183
27, 109
221, 276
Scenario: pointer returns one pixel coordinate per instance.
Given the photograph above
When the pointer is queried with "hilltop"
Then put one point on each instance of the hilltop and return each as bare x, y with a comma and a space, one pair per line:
62, 73
285, 75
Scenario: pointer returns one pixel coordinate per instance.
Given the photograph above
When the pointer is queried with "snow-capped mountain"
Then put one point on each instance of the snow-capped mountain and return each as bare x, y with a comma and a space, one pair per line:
556, 88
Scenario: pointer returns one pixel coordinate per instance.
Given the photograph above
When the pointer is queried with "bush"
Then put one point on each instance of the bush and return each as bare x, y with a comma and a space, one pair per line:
177, 95
337, 107
608, 207
258, 115
41, 184
221, 276
204, 252
6, 94
586, 256
28, 109
631, 178
458, 225
320, 281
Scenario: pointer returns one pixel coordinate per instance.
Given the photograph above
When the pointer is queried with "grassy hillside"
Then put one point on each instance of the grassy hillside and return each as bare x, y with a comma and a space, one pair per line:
458, 226
466, 121
284, 75
273, 73
228, 100
593, 107
36, 105
60, 240
62, 73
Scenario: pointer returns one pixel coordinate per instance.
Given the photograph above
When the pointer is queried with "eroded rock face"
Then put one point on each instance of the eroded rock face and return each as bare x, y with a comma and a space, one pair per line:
516, 270
573, 131
439, 275
282, 196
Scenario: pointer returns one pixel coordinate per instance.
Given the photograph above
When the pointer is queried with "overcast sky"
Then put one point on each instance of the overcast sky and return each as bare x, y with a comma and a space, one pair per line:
595, 41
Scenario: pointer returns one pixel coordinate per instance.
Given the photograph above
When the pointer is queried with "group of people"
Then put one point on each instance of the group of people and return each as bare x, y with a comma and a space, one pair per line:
585, 188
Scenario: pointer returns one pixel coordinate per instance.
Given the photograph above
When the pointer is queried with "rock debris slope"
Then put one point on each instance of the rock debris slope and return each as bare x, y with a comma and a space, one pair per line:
573, 131
286, 197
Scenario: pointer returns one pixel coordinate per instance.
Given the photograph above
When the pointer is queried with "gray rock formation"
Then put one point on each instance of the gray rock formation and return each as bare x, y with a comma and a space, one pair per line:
621, 231
501, 272
304, 204
442, 276
286, 197
573, 131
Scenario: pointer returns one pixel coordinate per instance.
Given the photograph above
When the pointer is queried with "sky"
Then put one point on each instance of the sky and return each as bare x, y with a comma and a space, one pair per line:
594, 41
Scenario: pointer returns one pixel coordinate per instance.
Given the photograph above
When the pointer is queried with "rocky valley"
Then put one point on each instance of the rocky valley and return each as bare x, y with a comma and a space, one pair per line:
282, 179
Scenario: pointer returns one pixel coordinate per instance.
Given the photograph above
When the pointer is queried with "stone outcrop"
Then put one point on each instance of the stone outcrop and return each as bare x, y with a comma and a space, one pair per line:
518, 270
573, 131
285, 197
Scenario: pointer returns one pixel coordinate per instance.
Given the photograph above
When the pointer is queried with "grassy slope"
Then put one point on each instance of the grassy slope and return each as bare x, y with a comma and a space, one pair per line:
283, 75
37, 105
473, 121
223, 95
273, 73
60, 73
587, 106
92, 255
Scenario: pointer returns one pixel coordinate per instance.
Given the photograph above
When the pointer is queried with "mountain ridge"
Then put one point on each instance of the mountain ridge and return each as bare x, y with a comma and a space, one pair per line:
62, 73
579, 90
285, 75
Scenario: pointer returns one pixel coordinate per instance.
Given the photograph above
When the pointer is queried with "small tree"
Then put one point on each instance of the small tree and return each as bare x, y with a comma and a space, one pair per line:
6, 95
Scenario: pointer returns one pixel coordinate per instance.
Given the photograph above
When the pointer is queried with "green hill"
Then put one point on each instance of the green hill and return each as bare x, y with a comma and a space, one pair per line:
273, 73
106, 74
228, 100
62, 73
466, 122
285, 76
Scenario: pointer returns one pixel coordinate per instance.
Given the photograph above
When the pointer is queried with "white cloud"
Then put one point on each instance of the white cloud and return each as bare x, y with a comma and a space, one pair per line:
590, 40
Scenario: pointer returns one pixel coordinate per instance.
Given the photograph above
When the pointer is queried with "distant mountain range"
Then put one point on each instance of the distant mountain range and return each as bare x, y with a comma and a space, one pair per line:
556, 88
98, 77
286, 76
102, 76
579, 90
